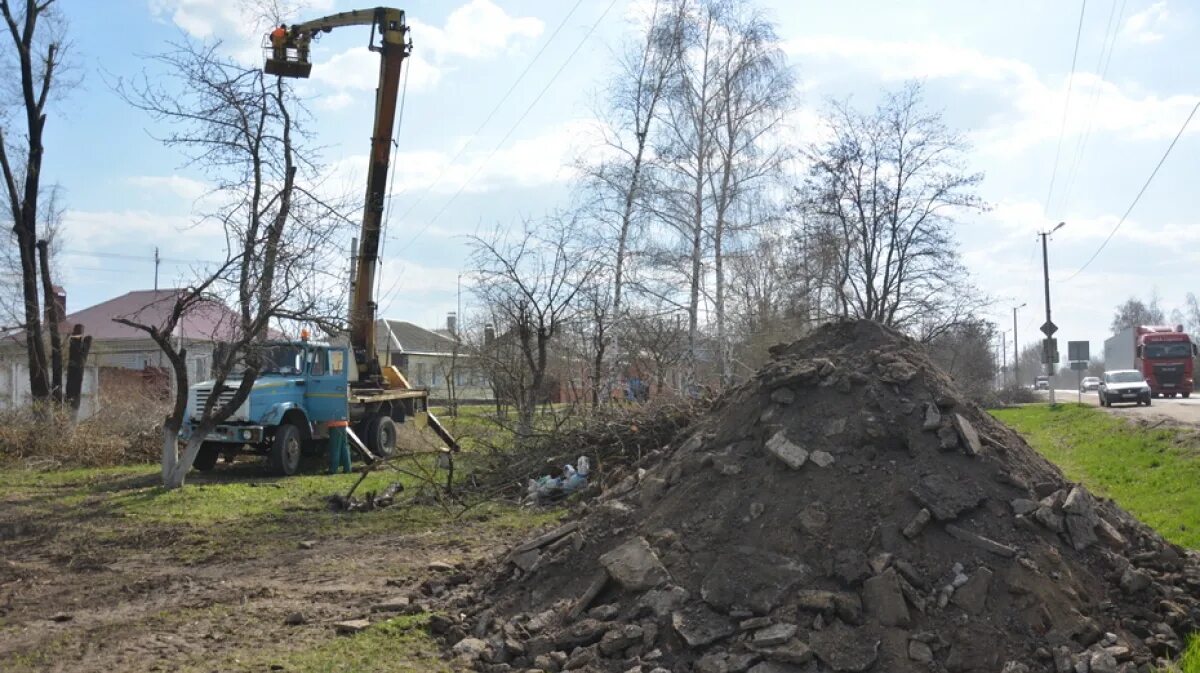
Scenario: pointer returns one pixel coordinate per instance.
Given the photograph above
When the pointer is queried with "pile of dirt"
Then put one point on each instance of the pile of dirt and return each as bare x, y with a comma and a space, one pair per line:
845, 510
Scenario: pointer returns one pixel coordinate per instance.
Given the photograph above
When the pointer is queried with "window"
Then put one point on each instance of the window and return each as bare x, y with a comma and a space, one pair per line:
437, 377
337, 361
420, 373
316, 362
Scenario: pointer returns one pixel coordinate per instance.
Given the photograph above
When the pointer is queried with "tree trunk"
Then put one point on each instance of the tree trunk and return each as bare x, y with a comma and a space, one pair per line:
77, 354
50, 301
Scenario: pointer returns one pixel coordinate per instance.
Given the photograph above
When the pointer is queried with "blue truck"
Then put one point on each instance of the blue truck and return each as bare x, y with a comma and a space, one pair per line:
302, 387
305, 385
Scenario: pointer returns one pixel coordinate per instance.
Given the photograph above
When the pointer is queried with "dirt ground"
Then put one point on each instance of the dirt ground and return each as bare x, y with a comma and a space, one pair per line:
96, 574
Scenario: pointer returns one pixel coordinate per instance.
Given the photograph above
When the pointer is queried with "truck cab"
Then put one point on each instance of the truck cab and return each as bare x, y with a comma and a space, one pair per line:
1165, 357
302, 386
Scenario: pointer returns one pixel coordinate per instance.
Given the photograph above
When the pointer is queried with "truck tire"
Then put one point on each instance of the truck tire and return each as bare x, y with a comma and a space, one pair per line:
381, 436
206, 458
1186, 395
284, 457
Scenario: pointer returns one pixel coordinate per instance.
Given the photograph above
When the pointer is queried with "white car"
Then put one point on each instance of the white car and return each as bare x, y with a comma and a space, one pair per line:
1124, 385
1089, 383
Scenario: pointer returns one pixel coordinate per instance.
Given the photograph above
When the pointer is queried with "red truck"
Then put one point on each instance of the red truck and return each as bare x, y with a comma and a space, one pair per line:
1164, 355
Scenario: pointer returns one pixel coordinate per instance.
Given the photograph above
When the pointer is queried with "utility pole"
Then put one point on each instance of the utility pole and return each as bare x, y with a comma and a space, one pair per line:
1016, 350
1003, 356
156, 263
1049, 328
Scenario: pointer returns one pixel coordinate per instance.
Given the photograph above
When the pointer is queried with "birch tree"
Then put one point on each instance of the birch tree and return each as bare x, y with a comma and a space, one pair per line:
616, 181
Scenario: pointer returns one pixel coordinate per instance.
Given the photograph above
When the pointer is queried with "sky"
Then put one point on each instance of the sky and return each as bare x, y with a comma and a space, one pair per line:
1054, 146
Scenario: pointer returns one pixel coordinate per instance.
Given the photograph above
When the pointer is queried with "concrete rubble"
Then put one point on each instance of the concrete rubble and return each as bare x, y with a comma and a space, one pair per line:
874, 521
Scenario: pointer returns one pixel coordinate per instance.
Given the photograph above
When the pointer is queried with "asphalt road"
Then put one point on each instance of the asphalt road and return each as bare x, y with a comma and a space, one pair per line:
1176, 409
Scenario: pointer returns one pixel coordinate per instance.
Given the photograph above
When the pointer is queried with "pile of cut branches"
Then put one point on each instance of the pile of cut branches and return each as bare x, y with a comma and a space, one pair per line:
614, 438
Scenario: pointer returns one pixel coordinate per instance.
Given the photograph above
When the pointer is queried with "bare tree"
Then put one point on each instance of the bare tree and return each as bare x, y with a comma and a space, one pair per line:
755, 92
884, 191
656, 340
1191, 314
718, 148
241, 127
1133, 312
616, 180
37, 41
532, 285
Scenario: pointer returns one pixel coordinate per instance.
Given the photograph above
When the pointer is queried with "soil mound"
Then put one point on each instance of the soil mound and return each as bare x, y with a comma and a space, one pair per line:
845, 510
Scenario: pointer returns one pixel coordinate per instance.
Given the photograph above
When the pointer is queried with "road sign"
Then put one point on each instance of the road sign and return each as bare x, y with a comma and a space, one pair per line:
1049, 328
1050, 351
1077, 351
1079, 366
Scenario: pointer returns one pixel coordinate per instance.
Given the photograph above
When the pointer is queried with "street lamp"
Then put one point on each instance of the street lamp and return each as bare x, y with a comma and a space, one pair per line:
1049, 328
1016, 349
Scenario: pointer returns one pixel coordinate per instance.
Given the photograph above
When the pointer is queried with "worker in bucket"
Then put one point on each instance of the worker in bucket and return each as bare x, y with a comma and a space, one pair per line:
279, 42
339, 447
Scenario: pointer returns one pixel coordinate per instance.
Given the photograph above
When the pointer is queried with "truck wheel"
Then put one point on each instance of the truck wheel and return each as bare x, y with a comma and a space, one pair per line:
381, 436
284, 457
206, 458
1186, 395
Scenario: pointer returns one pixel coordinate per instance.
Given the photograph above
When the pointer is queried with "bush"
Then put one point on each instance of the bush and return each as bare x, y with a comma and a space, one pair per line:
127, 429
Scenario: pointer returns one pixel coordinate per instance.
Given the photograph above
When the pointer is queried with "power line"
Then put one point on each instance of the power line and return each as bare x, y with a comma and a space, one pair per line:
507, 135
1139, 194
441, 174
387, 215
1111, 32
135, 258
1062, 131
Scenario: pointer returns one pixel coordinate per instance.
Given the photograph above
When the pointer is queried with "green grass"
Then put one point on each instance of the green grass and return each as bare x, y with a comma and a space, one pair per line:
1149, 472
400, 644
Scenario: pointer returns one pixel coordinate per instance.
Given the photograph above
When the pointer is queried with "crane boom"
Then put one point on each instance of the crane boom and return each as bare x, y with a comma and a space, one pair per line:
393, 48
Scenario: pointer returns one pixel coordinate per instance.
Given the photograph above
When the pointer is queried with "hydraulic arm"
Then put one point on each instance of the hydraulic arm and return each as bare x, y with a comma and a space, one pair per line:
289, 58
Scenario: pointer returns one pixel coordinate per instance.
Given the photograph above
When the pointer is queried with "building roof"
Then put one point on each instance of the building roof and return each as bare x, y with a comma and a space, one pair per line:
210, 320
405, 337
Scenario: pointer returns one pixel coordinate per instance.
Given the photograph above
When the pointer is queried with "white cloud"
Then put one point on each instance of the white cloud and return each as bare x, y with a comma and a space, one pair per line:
183, 187
1147, 26
240, 26
344, 78
477, 30
1033, 113
538, 160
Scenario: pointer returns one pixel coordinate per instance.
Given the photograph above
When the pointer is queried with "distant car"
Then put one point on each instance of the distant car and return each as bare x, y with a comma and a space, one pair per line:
1089, 383
1042, 383
1124, 385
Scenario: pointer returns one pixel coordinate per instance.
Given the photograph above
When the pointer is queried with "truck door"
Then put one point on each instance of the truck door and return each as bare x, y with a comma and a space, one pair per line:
326, 387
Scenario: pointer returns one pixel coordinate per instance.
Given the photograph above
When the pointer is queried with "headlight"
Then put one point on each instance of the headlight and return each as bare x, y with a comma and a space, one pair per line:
246, 434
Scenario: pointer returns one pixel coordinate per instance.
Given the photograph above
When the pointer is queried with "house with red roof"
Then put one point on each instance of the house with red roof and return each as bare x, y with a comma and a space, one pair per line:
115, 345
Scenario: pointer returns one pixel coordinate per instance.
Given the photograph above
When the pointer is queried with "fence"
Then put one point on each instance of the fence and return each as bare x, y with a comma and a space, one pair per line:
14, 388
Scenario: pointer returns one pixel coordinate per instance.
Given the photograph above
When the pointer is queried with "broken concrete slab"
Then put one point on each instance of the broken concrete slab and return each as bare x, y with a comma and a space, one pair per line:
752, 579
791, 454
635, 566
972, 596
843, 648
945, 497
970, 438
700, 626
914, 527
884, 601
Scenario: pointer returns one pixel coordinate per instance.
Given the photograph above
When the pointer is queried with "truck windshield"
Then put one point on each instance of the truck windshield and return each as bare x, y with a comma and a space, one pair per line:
278, 359
1124, 377
1173, 349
